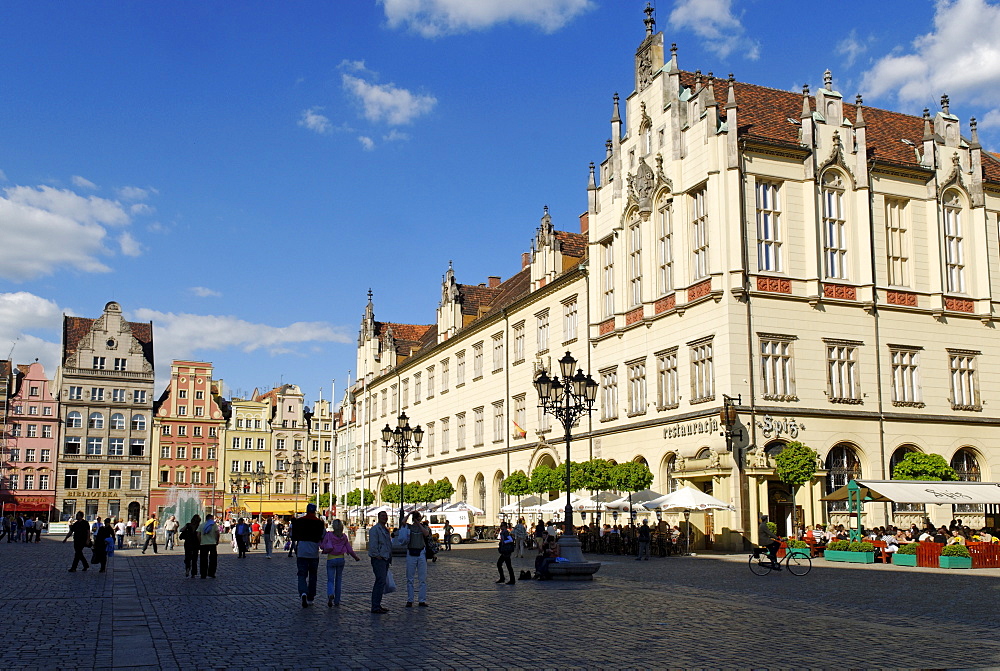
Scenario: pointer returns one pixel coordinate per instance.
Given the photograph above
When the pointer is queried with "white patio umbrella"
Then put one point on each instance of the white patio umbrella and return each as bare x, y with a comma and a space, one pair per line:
528, 504
688, 499
462, 505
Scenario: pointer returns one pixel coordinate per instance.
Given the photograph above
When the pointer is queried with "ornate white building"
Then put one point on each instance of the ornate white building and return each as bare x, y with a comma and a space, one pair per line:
833, 268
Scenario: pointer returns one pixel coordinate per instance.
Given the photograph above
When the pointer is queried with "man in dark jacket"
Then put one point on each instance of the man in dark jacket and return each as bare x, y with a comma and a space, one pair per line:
307, 532
769, 540
80, 531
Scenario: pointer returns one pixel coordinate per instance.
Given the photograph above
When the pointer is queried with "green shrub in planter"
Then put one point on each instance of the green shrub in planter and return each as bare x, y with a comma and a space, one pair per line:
773, 528
798, 544
908, 549
860, 546
799, 548
838, 546
955, 551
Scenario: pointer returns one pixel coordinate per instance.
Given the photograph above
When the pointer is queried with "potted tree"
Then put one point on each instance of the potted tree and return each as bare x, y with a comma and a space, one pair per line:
906, 555
955, 556
795, 466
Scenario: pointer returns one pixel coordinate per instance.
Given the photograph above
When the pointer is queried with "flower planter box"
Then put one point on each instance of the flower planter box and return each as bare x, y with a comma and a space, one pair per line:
904, 560
852, 557
800, 552
955, 562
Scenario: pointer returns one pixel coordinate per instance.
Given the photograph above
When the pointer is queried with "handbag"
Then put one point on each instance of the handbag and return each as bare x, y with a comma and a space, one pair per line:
390, 583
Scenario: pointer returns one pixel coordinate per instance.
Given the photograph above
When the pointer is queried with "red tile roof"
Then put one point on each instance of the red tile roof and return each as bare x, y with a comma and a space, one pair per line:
573, 244
76, 328
408, 337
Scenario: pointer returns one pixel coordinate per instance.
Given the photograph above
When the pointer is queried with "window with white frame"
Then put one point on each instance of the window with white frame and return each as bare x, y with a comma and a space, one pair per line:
97, 393
768, 227
498, 352
477, 426
702, 371
445, 434
138, 422
498, 422
430, 381
417, 386
385, 401
835, 239
842, 372
664, 251
95, 445
445, 370
897, 243
118, 396
460, 367
75, 393
609, 394
954, 241
406, 393
99, 363
964, 380
636, 387
520, 415
570, 318
777, 377
394, 402
118, 421
95, 421
699, 234
74, 420
116, 447
667, 380
460, 431
121, 364
542, 330
519, 342
430, 440
635, 264
608, 278
905, 376
477, 360
138, 396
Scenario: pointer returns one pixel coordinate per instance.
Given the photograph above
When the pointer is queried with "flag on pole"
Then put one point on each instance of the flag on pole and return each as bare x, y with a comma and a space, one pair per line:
518, 431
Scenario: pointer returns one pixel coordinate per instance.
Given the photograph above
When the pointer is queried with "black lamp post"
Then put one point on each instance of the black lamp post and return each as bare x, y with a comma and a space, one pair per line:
261, 477
298, 470
401, 441
235, 487
567, 399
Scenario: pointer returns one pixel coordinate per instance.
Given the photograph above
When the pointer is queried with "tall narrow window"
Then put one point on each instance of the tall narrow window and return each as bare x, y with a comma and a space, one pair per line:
460, 368
664, 251
608, 277
702, 371
635, 264
905, 376
498, 352
445, 434
768, 228
842, 373
834, 227
499, 423
460, 431
417, 387
542, 330
430, 381
699, 234
477, 426
897, 243
569, 319
519, 342
964, 380
637, 387
445, 368
477, 361
520, 416
609, 394
776, 368
954, 254
667, 380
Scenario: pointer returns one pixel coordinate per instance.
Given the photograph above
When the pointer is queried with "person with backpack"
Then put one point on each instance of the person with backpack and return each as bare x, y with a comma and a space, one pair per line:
192, 543
100, 554
507, 546
209, 547
242, 535
150, 528
416, 558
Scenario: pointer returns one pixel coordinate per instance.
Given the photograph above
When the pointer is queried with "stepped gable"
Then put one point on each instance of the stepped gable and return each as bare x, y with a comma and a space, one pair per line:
77, 328
572, 244
764, 114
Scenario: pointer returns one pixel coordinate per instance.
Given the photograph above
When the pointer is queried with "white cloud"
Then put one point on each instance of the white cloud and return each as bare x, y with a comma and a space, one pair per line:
960, 57
433, 18
991, 120
205, 292
395, 136
21, 311
850, 48
3, 176
314, 121
129, 245
134, 193
387, 102
89, 210
353, 66
366, 142
714, 22
83, 182
141, 208
181, 335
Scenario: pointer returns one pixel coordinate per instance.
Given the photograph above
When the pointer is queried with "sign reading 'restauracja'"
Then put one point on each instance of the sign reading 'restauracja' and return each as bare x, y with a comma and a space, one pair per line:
691, 428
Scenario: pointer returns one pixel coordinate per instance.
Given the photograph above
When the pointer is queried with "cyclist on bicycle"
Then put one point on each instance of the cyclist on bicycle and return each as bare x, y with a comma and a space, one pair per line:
766, 538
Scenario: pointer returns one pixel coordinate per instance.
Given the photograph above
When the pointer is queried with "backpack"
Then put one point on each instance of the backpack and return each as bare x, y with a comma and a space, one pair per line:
416, 543
149, 527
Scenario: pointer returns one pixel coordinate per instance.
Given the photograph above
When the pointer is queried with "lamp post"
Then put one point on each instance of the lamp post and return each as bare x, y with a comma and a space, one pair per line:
567, 399
401, 441
261, 477
298, 470
235, 486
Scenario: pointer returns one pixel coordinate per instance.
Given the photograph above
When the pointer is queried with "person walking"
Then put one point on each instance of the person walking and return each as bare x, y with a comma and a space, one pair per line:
268, 535
120, 533
100, 555
380, 553
5, 528
130, 528
335, 545
507, 545
416, 559
29, 530
39, 525
520, 533
80, 531
307, 532
255, 530
170, 527
209, 547
643, 536
447, 531
150, 528
241, 533
189, 537
540, 535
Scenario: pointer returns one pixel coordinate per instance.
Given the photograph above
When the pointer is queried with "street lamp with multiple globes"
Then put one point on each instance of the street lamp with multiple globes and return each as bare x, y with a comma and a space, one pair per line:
260, 477
401, 441
299, 467
567, 399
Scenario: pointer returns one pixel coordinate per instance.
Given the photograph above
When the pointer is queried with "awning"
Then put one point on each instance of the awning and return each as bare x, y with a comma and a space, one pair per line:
27, 507
921, 491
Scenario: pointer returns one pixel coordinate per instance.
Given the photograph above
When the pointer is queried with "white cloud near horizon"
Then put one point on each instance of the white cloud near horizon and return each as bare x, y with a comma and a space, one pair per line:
387, 102
205, 292
713, 21
82, 182
311, 119
21, 311
851, 48
367, 143
134, 193
129, 245
960, 57
436, 18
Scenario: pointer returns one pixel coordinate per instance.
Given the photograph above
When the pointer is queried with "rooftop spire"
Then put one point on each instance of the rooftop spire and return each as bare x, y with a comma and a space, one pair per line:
731, 99
974, 131
859, 121
945, 104
928, 133
592, 183
615, 116
806, 110
649, 20
828, 80
673, 57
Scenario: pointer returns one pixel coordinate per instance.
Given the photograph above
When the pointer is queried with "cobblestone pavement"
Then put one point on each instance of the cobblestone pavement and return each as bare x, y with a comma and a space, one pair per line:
679, 612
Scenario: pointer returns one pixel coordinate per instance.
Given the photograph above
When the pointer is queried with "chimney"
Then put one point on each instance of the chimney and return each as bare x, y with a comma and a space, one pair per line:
585, 222
494, 281
525, 260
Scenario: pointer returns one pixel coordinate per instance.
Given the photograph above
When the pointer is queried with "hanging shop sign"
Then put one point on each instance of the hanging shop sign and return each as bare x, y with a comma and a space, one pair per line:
691, 428
777, 428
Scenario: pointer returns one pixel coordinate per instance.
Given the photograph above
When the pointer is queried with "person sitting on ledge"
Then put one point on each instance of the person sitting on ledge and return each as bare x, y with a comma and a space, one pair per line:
547, 556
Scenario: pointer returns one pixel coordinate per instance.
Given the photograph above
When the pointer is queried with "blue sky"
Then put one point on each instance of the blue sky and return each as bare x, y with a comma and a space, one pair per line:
241, 174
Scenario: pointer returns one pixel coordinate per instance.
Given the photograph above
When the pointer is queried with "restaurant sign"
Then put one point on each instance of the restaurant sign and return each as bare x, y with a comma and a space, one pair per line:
691, 428
779, 427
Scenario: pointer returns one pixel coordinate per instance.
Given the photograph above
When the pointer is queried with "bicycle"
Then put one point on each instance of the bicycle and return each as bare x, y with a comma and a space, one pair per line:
795, 562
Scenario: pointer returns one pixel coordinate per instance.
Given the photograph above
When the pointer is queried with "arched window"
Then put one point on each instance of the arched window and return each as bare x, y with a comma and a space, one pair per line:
954, 242
966, 465
138, 422
96, 421
774, 448
74, 420
835, 233
118, 421
670, 483
704, 453
897, 456
842, 466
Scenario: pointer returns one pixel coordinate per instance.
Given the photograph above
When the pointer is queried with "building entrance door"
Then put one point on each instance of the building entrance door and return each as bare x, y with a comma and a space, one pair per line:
133, 511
